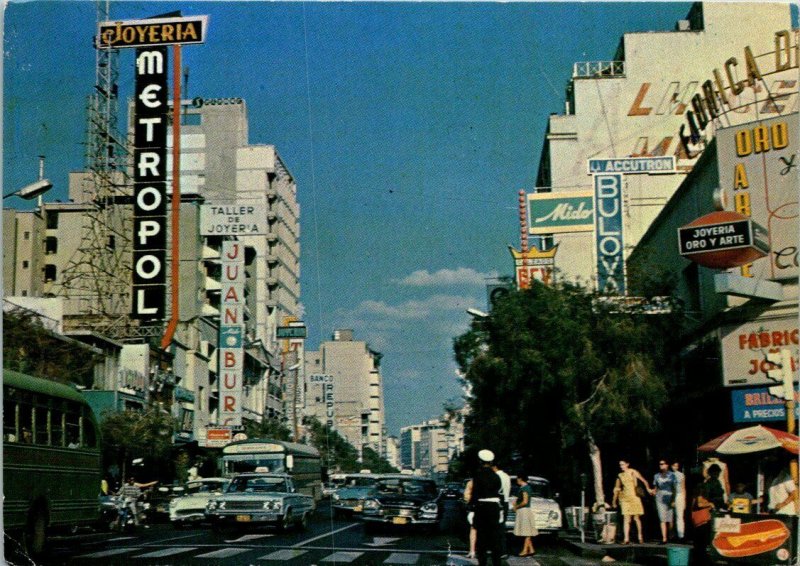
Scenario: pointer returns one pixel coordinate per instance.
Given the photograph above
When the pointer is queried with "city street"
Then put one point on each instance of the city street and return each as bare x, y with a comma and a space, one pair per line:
326, 541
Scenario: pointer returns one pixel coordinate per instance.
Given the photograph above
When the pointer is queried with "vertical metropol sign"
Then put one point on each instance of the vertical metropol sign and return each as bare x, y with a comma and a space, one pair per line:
150, 38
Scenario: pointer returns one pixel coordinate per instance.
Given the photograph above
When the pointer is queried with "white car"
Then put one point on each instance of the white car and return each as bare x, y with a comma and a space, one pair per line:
548, 513
191, 507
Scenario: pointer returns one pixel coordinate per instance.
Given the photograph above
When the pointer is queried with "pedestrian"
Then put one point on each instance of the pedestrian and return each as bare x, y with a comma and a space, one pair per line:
505, 485
630, 499
525, 523
470, 519
486, 498
664, 489
701, 521
740, 500
783, 494
680, 501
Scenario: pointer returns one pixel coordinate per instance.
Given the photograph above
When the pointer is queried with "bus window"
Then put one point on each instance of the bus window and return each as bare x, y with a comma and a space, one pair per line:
72, 428
89, 436
41, 425
26, 423
57, 426
10, 433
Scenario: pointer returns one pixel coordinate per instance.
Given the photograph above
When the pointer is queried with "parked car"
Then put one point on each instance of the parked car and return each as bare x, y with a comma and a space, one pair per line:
348, 500
191, 506
157, 499
260, 499
452, 491
402, 500
549, 517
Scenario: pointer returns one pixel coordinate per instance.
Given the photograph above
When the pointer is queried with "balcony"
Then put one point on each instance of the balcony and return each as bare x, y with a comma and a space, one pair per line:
598, 69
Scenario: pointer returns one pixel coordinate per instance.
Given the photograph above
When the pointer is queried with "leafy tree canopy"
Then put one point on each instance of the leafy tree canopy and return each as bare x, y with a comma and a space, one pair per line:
555, 367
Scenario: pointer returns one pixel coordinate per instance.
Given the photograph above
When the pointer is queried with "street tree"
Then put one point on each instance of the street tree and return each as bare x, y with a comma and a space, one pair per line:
558, 368
138, 434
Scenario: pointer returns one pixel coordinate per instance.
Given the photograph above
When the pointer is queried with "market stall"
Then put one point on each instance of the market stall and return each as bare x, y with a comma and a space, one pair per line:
760, 536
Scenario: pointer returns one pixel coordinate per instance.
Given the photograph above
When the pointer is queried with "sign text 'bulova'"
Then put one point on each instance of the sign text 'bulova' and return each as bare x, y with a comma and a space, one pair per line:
152, 32
149, 182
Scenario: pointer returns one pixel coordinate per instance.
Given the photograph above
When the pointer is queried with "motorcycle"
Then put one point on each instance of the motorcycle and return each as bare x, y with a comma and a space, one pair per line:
124, 518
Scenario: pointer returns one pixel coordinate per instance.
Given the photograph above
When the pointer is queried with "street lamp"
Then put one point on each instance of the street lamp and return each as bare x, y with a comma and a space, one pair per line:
475, 313
35, 189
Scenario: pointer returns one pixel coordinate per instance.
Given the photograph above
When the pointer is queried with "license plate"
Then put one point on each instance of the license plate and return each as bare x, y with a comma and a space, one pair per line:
358, 508
399, 520
243, 518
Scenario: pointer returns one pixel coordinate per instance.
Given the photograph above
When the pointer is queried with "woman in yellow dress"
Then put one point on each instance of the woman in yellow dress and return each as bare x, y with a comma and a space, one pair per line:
631, 503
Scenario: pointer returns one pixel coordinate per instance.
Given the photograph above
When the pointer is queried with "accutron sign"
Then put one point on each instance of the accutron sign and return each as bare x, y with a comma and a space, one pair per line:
149, 182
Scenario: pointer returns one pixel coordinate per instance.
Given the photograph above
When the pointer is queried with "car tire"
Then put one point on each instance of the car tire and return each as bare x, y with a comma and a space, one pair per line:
287, 522
303, 523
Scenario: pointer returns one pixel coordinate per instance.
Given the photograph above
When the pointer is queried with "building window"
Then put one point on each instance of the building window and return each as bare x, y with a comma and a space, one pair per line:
25, 264
26, 235
112, 243
52, 220
49, 273
194, 119
24, 293
50, 245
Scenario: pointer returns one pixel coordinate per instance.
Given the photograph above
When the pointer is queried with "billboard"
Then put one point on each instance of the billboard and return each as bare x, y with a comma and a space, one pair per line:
758, 172
552, 213
238, 219
609, 242
231, 333
149, 184
756, 405
326, 381
533, 265
744, 350
151, 32
633, 165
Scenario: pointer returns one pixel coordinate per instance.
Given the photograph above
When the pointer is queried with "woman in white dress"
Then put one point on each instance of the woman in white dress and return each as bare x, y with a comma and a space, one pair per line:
525, 523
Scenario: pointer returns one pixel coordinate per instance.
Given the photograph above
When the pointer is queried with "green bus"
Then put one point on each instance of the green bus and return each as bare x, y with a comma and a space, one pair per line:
51, 459
302, 462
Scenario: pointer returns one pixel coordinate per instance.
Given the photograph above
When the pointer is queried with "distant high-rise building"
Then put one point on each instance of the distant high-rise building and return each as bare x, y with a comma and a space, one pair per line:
344, 388
430, 446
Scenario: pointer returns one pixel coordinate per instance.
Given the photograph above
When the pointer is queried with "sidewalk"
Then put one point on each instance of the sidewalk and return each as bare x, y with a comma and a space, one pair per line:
647, 554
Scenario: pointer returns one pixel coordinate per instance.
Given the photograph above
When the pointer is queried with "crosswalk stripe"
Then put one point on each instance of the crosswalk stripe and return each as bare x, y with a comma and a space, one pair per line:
284, 554
245, 538
341, 557
166, 552
104, 553
223, 553
402, 558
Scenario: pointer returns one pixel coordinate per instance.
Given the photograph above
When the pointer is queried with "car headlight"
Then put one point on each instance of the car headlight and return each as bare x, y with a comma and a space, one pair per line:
276, 505
173, 503
554, 515
430, 508
335, 496
372, 504
211, 505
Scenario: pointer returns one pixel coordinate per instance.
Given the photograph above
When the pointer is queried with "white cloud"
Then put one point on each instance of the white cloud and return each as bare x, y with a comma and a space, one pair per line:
416, 309
460, 276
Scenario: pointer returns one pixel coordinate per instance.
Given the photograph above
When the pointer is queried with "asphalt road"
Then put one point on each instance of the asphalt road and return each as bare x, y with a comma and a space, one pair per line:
326, 541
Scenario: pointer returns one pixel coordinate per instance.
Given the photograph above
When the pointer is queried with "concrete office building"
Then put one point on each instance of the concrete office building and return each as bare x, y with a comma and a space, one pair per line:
218, 166
344, 388
632, 105
430, 446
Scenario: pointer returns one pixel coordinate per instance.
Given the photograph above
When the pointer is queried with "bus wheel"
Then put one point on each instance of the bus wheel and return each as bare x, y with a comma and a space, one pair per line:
35, 540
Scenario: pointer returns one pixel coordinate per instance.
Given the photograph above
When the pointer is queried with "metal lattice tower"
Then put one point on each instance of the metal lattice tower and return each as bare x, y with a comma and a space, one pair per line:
97, 279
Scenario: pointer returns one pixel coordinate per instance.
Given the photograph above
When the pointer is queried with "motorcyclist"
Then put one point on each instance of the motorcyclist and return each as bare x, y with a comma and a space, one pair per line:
130, 493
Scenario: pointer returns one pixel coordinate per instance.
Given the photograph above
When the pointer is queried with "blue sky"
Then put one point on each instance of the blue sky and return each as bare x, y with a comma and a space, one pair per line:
409, 128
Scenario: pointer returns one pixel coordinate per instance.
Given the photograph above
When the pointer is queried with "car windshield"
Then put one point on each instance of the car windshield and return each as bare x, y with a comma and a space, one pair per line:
359, 482
258, 485
407, 487
205, 487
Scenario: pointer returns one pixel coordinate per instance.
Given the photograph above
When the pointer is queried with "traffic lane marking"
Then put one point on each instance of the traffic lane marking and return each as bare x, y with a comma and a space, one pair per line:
326, 534
168, 539
104, 553
224, 553
283, 555
166, 552
402, 558
341, 556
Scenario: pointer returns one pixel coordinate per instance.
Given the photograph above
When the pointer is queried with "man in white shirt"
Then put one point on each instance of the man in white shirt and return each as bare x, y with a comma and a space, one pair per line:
680, 500
782, 496
505, 484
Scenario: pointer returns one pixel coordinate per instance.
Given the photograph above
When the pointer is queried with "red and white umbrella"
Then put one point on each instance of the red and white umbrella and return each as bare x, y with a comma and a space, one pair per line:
751, 439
